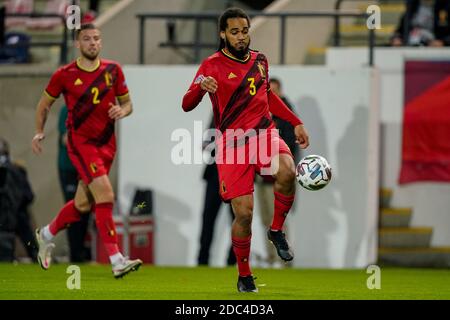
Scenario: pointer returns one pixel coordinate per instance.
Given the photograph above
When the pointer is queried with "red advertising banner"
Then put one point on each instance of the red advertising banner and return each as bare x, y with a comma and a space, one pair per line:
426, 122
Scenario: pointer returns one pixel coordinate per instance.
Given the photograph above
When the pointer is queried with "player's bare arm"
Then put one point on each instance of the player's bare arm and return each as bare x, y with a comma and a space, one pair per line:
42, 111
302, 136
209, 84
121, 110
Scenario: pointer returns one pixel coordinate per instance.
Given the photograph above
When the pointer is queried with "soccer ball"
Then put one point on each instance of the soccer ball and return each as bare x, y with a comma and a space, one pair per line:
313, 172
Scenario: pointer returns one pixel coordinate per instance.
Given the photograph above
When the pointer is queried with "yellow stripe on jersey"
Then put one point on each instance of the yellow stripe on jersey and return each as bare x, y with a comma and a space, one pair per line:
123, 96
50, 96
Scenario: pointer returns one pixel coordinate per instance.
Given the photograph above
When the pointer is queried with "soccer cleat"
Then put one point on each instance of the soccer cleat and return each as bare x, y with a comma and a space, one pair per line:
278, 239
45, 248
121, 269
246, 284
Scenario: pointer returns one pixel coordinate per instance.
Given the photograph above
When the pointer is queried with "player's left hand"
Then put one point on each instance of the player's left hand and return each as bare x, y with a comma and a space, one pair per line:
115, 111
36, 142
302, 136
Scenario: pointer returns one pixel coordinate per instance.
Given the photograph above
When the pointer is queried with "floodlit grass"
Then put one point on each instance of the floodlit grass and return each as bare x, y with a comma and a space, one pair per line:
24, 281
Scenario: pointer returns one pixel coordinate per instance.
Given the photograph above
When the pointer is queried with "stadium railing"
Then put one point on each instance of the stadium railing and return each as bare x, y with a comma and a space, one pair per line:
197, 45
64, 37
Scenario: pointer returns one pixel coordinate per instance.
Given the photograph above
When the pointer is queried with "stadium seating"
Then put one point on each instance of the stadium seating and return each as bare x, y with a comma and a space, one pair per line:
355, 34
17, 49
58, 7
18, 7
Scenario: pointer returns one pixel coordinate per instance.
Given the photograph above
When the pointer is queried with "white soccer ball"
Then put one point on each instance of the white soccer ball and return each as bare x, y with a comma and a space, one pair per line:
313, 172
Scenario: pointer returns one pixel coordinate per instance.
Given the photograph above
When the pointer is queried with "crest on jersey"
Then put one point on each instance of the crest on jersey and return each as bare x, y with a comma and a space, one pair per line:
262, 70
93, 167
78, 82
224, 189
108, 79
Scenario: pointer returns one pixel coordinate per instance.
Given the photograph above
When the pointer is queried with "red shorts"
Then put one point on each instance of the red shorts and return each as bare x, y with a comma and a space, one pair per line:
90, 160
238, 164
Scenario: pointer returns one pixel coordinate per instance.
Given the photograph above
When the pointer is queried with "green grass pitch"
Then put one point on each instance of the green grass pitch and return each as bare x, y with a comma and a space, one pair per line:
24, 281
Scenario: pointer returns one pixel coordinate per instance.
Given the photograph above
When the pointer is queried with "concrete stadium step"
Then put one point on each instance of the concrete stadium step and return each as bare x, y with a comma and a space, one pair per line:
438, 257
395, 217
386, 19
347, 41
361, 30
416, 237
362, 42
358, 35
385, 197
395, 7
315, 56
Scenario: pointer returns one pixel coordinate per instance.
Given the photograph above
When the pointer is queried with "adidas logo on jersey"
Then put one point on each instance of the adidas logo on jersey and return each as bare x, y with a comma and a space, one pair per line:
231, 75
78, 82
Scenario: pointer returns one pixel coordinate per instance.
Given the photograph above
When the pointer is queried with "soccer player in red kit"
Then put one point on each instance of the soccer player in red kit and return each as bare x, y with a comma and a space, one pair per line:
91, 88
236, 79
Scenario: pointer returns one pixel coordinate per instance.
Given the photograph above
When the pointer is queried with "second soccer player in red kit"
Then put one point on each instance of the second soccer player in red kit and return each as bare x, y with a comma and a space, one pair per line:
236, 79
91, 87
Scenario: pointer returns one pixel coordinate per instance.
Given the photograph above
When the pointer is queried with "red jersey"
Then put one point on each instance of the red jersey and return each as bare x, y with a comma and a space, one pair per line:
243, 98
87, 94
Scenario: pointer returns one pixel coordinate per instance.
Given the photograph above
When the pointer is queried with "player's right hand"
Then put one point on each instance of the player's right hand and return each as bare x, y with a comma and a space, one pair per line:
302, 136
36, 142
209, 84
